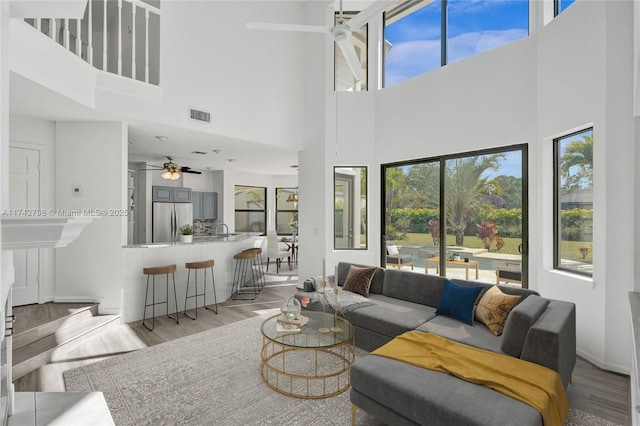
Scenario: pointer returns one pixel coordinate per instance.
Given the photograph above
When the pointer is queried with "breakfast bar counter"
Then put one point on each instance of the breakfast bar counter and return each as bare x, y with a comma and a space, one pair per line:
138, 256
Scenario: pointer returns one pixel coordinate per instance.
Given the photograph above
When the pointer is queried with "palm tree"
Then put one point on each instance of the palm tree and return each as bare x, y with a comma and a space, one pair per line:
578, 153
464, 188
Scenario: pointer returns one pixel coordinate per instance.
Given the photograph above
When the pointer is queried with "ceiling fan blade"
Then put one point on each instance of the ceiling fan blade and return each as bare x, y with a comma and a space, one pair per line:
288, 27
367, 13
350, 55
195, 172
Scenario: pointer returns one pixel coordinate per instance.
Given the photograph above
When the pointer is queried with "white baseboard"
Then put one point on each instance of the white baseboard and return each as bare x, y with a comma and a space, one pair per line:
621, 369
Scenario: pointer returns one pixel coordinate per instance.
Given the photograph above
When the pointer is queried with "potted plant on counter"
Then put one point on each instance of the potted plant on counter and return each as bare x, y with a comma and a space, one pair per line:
186, 233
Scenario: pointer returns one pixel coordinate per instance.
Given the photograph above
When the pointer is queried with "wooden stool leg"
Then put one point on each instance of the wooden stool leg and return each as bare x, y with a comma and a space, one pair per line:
213, 284
144, 314
175, 297
187, 296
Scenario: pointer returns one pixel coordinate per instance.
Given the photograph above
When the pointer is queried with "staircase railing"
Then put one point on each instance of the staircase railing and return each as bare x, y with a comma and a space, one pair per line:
117, 36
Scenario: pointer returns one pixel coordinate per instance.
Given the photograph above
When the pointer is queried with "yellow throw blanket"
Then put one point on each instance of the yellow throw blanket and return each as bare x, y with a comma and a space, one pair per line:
533, 384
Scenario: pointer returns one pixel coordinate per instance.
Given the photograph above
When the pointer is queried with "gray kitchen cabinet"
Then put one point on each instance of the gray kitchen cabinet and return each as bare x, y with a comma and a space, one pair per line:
170, 194
205, 205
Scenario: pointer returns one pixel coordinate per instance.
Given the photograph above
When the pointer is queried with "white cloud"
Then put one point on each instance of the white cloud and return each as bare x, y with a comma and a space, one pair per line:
473, 6
472, 43
408, 59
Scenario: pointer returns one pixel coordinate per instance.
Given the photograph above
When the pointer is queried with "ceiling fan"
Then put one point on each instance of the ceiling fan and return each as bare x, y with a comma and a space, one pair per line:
341, 32
171, 170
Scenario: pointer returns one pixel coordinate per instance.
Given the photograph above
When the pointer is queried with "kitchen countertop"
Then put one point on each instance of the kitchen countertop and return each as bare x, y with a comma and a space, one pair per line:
218, 239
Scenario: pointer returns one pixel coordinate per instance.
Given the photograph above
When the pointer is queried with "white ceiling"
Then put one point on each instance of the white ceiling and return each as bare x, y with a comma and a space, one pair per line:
30, 99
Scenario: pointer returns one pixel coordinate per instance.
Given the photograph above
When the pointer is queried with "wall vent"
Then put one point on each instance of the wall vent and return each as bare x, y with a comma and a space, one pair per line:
199, 115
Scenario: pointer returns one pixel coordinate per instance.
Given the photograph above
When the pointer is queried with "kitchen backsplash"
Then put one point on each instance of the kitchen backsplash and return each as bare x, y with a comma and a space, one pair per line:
203, 227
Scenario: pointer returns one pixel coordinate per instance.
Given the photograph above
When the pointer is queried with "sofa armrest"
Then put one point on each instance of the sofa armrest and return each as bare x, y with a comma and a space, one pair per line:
551, 340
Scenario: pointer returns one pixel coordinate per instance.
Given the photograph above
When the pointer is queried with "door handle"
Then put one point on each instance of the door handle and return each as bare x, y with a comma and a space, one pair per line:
522, 248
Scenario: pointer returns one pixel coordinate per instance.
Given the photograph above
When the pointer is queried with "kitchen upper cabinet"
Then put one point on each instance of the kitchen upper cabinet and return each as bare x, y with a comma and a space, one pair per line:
170, 194
205, 205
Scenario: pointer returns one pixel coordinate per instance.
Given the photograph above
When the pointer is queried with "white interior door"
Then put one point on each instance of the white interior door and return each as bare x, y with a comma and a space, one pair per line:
24, 193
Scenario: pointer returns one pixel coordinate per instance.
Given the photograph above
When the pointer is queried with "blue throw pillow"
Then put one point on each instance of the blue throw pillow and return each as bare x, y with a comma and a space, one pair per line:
458, 301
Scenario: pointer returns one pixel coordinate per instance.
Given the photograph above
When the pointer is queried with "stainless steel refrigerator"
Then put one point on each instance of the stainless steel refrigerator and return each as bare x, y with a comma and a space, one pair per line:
167, 220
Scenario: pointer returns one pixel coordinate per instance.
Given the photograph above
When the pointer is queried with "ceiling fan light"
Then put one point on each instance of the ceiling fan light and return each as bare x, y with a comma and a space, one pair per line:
166, 175
175, 175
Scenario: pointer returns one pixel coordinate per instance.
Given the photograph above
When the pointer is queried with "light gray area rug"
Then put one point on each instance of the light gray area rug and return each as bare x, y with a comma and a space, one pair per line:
213, 378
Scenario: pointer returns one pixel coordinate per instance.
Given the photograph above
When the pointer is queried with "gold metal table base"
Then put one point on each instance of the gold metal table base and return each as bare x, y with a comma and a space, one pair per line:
322, 380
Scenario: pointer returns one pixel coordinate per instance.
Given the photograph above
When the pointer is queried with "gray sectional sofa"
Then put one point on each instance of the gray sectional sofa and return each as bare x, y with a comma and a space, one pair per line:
538, 330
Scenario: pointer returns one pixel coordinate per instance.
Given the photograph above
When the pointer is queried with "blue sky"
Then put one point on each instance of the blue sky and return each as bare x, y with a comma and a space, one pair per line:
474, 26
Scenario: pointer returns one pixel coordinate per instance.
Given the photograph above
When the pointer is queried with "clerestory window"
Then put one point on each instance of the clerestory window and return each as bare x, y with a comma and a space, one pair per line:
422, 35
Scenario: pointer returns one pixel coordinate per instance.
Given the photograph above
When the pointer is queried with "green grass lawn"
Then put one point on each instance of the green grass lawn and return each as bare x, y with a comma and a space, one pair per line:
570, 249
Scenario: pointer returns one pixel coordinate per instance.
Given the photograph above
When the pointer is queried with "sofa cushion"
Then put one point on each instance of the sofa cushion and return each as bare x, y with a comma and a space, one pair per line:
377, 281
429, 397
458, 301
390, 317
358, 280
392, 250
519, 321
493, 308
478, 336
413, 287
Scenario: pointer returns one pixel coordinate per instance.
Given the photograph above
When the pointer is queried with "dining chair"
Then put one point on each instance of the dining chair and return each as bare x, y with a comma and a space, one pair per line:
275, 252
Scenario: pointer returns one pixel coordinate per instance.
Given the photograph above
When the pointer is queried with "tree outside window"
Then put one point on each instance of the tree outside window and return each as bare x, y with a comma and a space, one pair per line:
573, 219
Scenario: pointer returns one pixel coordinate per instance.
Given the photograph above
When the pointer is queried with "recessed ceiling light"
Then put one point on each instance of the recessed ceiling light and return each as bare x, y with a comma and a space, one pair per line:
231, 160
199, 152
294, 166
162, 138
217, 151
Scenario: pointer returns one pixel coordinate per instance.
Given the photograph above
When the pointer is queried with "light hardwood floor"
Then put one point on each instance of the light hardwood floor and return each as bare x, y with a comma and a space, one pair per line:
602, 393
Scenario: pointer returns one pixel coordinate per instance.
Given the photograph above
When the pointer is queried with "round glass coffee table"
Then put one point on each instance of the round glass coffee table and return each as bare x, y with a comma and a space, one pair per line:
309, 361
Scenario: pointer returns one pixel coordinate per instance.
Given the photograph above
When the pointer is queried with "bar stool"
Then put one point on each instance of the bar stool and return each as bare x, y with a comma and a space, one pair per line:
153, 271
207, 264
244, 262
256, 264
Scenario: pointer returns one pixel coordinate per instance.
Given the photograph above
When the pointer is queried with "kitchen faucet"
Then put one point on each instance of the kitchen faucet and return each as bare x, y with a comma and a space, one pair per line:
224, 225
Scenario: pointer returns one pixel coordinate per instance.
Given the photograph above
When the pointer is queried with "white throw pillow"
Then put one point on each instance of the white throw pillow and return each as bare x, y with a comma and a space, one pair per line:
392, 250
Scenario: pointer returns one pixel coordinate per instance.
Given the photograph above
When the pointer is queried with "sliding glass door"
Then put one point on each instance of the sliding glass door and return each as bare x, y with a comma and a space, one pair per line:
460, 216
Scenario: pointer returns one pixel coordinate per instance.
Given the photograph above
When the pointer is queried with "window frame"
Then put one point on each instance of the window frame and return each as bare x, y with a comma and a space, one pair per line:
410, 6
365, 217
293, 190
557, 231
523, 249
249, 211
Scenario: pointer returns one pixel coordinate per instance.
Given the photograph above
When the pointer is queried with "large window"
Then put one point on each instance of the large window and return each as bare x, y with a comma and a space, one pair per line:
350, 208
422, 35
287, 211
250, 209
460, 216
573, 202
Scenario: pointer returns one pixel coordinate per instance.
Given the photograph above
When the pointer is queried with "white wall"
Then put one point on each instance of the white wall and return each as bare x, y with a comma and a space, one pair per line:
566, 76
94, 156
